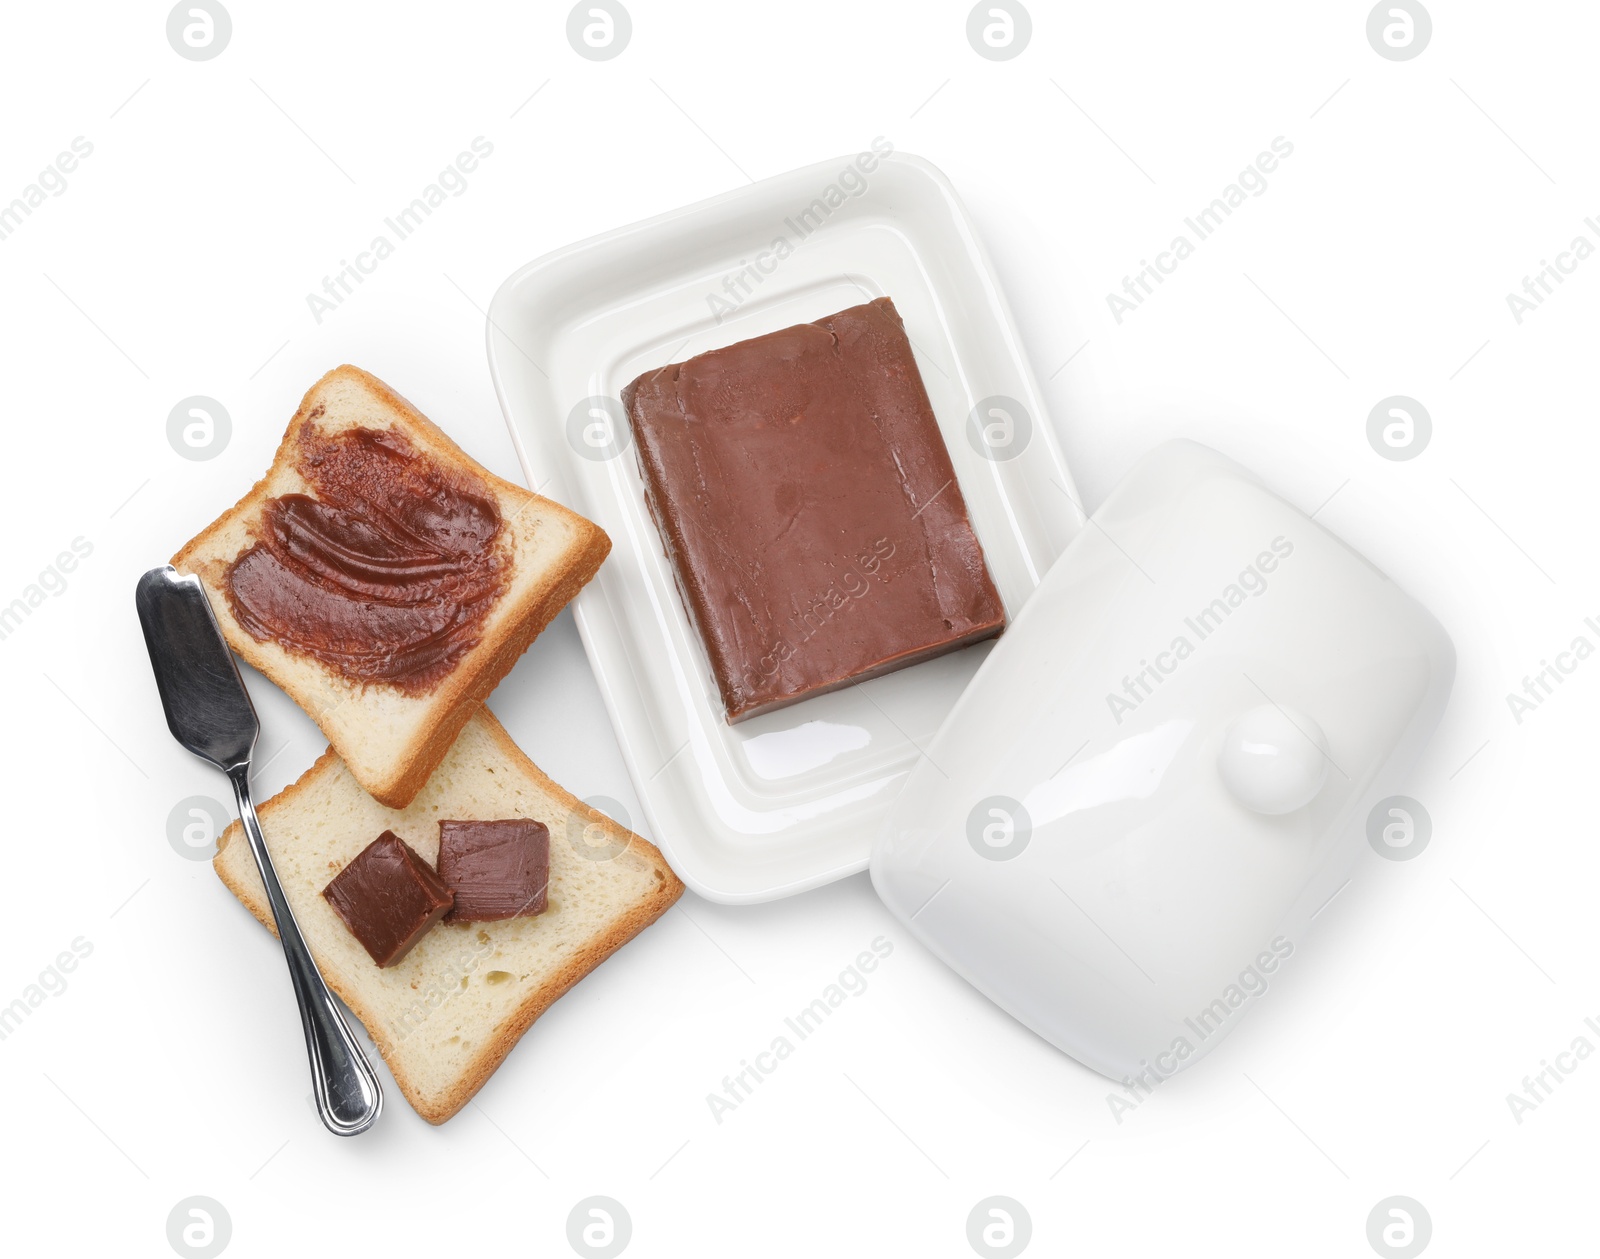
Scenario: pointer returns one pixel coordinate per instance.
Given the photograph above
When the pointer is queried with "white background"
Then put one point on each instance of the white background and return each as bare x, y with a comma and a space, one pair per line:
177, 262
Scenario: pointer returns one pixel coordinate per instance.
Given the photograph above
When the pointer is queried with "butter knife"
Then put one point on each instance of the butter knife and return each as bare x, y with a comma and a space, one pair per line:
209, 712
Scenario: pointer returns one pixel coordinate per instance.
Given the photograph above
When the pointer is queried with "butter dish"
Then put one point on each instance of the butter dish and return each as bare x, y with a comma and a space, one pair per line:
790, 799
1118, 819
1124, 828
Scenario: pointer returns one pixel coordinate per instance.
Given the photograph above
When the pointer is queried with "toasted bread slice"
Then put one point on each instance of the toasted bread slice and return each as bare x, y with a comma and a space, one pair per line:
446, 1015
390, 739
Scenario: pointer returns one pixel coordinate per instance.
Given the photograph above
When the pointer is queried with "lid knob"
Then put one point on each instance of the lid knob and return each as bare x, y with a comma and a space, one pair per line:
1274, 759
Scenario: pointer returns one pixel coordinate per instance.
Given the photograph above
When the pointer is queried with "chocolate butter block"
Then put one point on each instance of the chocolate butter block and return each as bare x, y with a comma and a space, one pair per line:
388, 896
809, 507
496, 870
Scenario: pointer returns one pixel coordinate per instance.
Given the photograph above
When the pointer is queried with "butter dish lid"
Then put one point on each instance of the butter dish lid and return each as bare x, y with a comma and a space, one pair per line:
1124, 827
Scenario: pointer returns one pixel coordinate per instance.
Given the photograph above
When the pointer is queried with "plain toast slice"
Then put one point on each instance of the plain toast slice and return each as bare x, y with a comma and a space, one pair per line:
447, 1015
392, 740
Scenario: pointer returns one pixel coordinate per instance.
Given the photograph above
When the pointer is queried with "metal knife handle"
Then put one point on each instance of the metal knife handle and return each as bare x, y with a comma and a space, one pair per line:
348, 1095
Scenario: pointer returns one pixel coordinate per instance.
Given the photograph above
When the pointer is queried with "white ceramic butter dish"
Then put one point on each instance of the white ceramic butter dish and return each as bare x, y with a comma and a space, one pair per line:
1118, 820
791, 799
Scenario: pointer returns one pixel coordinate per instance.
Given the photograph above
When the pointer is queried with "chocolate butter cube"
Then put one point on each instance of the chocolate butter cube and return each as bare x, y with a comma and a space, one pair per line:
496, 870
388, 896
807, 502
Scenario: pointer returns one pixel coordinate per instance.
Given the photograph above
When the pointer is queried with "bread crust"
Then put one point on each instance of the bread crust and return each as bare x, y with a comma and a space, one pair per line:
461, 692
504, 1037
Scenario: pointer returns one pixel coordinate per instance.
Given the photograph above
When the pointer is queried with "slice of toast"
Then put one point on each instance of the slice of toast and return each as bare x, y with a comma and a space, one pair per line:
447, 1014
391, 739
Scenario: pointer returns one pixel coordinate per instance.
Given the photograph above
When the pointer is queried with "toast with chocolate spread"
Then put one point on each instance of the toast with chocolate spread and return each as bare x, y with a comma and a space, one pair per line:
446, 1015
384, 579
